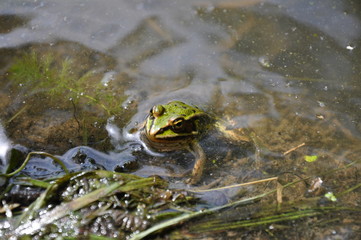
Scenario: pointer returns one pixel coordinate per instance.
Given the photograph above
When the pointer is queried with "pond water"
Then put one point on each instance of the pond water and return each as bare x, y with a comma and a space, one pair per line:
85, 73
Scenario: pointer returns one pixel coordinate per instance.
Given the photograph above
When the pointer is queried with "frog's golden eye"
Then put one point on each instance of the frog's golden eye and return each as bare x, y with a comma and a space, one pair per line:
178, 124
157, 111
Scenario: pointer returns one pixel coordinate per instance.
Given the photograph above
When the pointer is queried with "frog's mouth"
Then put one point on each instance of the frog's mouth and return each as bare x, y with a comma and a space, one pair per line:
164, 135
168, 142
175, 137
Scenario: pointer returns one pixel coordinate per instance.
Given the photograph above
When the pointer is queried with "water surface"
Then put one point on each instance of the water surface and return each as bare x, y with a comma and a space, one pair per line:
288, 70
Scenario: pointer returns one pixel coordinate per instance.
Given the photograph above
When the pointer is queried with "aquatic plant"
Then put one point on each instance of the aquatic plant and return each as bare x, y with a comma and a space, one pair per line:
96, 202
45, 82
108, 205
59, 81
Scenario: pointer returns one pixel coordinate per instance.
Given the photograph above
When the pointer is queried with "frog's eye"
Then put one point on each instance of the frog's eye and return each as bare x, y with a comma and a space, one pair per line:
157, 111
178, 124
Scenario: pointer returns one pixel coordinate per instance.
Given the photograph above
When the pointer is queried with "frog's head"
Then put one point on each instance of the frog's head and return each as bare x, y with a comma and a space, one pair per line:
174, 123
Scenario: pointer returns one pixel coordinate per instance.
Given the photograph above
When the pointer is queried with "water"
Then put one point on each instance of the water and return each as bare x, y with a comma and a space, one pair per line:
4, 146
288, 70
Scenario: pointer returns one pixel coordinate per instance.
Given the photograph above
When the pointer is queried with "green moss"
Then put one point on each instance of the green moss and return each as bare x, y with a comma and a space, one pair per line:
59, 81
45, 81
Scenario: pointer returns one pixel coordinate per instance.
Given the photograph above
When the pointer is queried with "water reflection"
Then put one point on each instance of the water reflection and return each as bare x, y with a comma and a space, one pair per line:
289, 70
9, 22
244, 60
248, 62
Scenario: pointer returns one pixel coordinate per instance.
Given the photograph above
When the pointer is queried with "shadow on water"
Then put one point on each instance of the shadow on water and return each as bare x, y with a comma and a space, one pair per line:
78, 80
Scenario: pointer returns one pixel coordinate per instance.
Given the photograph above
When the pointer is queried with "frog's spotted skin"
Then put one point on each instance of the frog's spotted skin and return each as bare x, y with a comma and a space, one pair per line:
176, 126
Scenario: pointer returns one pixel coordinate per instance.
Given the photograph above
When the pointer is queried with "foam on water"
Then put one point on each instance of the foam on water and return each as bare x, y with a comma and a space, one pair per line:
4, 145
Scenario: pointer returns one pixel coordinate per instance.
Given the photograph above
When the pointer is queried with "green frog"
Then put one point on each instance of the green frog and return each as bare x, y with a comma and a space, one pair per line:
179, 126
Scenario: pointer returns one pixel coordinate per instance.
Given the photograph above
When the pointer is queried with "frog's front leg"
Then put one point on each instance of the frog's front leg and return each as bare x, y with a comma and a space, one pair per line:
200, 159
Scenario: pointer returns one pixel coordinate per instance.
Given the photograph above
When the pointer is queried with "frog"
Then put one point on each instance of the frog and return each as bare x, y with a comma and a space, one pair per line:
179, 126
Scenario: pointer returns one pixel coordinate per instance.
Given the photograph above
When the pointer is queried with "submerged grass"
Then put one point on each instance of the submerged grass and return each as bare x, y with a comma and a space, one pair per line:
63, 209
57, 160
286, 213
58, 80
134, 207
221, 225
44, 81
102, 188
